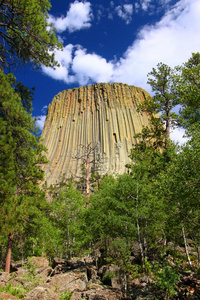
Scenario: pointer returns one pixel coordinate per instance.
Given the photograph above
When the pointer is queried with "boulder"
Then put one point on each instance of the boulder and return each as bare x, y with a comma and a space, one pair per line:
4, 276
69, 281
15, 265
97, 292
39, 262
42, 293
58, 261
113, 276
44, 273
4, 296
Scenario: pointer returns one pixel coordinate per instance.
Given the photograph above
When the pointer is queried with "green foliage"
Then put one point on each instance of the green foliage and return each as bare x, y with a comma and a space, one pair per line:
12, 290
107, 224
25, 94
108, 276
21, 155
180, 187
25, 33
166, 277
152, 136
66, 207
30, 275
103, 218
21, 199
164, 100
66, 296
25, 36
171, 87
161, 81
31, 267
188, 91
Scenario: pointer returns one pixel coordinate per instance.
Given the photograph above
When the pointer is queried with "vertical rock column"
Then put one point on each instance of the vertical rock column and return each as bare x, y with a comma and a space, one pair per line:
104, 115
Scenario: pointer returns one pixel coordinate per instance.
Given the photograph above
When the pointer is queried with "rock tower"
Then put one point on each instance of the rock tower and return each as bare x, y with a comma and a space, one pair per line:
103, 116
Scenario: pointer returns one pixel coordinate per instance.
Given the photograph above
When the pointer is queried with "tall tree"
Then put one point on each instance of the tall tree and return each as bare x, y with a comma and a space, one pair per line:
161, 81
163, 101
147, 165
179, 185
88, 159
25, 35
66, 206
105, 220
21, 156
188, 91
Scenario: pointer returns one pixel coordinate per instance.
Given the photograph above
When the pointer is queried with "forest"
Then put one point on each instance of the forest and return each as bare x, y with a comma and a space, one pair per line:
155, 204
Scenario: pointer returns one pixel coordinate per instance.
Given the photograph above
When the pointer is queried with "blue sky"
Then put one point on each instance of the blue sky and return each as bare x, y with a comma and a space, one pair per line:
114, 41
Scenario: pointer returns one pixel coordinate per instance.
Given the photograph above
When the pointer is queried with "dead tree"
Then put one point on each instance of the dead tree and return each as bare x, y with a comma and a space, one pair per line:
89, 159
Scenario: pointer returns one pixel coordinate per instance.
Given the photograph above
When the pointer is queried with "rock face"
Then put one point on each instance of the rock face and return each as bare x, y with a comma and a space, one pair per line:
102, 115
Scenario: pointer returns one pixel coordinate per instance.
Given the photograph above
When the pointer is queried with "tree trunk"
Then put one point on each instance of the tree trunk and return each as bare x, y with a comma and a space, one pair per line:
8, 254
138, 229
87, 178
186, 247
168, 121
168, 127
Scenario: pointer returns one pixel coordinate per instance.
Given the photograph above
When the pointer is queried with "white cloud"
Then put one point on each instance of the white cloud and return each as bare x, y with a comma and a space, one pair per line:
82, 68
44, 109
64, 57
78, 17
91, 67
177, 135
150, 7
171, 41
40, 121
145, 4
125, 12
137, 6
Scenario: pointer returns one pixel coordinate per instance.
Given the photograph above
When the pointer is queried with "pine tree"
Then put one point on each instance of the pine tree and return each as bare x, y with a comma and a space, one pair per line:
188, 91
159, 107
180, 187
25, 33
21, 156
161, 81
25, 36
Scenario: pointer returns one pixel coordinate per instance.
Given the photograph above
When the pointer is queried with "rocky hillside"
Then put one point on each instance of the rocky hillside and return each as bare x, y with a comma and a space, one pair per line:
103, 115
83, 278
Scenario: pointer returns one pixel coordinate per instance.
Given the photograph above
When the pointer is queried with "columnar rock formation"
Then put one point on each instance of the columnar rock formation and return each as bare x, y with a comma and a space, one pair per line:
104, 115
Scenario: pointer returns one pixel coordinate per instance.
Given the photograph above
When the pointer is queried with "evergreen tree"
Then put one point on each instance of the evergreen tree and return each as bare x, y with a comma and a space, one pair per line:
25, 33
188, 91
180, 187
148, 164
25, 36
21, 155
163, 101
161, 81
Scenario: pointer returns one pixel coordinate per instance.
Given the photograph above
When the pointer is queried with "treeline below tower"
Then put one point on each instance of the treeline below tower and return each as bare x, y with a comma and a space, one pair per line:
104, 115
